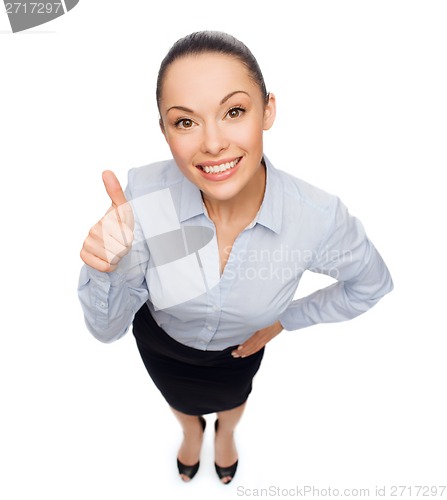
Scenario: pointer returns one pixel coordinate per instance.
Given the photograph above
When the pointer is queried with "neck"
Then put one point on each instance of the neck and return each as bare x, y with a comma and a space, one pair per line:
244, 205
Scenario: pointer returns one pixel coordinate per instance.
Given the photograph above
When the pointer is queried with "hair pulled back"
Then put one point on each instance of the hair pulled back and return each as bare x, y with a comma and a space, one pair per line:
218, 42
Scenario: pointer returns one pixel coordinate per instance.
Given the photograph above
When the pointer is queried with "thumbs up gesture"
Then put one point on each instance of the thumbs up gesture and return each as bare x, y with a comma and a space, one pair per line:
110, 239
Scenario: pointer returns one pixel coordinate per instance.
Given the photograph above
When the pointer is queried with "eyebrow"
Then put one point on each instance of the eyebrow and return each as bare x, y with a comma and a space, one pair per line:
223, 101
231, 94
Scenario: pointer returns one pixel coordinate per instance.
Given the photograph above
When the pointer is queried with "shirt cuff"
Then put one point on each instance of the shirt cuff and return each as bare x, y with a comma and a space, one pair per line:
105, 279
98, 298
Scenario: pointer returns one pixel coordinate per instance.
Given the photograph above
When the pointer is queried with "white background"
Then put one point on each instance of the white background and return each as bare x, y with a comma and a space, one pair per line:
361, 92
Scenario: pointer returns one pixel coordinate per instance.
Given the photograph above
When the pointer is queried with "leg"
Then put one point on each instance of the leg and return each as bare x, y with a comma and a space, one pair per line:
225, 447
189, 453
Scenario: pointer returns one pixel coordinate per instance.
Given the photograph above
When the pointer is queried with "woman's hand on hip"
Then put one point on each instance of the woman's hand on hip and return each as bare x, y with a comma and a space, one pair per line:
258, 340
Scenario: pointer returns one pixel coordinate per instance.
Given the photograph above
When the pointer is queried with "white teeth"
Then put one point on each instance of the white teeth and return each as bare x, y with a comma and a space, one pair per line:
220, 168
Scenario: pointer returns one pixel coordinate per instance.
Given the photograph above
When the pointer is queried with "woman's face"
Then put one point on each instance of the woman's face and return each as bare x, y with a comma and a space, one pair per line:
213, 117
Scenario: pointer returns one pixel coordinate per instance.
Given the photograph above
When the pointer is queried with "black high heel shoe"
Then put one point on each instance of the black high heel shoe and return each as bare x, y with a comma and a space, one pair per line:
190, 470
225, 471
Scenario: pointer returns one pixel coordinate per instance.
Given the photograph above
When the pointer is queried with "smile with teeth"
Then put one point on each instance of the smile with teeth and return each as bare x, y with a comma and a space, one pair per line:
220, 168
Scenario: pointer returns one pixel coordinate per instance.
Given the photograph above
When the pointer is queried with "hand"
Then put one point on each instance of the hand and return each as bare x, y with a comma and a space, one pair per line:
110, 238
258, 340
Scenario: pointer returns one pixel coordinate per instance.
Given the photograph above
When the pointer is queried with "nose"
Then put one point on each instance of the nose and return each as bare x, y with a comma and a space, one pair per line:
213, 140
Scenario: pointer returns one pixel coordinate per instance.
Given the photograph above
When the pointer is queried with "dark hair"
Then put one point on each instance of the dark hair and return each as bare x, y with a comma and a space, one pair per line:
211, 41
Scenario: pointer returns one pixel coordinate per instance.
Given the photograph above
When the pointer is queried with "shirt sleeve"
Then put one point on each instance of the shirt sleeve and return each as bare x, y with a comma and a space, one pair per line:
347, 255
110, 300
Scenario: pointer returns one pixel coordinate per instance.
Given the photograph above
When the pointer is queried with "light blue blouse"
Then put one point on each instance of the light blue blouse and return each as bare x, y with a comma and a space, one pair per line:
174, 263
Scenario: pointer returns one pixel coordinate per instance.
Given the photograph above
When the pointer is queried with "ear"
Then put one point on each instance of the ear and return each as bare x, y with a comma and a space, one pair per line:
270, 111
162, 127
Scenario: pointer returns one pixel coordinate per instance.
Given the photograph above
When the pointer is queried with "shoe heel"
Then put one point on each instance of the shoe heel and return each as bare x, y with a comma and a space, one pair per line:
191, 470
225, 471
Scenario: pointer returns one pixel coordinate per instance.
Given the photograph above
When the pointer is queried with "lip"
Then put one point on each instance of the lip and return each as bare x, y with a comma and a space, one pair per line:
219, 162
221, 175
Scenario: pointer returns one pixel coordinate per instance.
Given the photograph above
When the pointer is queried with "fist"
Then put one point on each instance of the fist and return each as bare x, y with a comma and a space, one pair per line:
110, 239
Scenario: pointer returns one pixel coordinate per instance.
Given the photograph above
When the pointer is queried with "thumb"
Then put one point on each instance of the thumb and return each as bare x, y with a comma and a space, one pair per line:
113, 188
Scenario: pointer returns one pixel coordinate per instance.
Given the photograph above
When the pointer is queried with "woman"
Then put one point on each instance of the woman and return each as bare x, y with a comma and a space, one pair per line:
203, 253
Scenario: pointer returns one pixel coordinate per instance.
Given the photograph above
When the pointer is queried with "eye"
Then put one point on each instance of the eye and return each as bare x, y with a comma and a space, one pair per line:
236, 112
184, 123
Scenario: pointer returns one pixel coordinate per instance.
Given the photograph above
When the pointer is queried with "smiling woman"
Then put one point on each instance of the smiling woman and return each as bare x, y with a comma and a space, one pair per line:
169, 256
214, 127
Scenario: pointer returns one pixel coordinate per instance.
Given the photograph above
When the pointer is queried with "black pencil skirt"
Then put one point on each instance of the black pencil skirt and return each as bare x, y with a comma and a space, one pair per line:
193, 381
